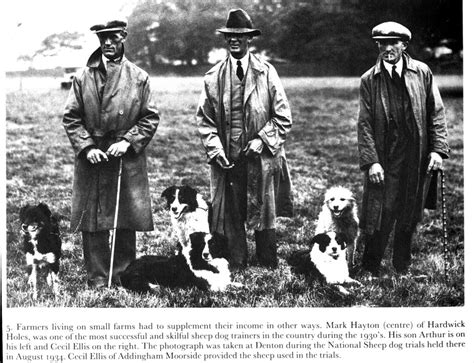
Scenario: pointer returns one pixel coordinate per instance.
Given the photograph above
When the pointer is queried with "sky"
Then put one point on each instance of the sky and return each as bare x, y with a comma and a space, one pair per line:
28, 22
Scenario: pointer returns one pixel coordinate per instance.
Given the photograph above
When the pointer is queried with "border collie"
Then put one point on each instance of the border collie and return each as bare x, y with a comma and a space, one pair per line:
326, 261
339, 214
41, 245
190, 213
192, 266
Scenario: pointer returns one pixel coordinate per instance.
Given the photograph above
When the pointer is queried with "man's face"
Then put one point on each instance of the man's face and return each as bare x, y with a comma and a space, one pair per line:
111, 43
391, 50
238, 44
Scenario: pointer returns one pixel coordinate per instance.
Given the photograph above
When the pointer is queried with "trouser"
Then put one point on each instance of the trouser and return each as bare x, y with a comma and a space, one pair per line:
234, 226
393, 211
97, 255
376, 244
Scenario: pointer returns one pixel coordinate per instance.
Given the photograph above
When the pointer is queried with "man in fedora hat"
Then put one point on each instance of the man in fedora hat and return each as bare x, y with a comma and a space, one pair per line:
402, 138
243, 119
110, 115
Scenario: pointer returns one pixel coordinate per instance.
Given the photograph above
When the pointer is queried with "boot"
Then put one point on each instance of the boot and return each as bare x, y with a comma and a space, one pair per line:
266, 248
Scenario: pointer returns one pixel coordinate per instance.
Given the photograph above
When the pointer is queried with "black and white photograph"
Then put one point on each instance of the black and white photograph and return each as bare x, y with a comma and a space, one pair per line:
261, 156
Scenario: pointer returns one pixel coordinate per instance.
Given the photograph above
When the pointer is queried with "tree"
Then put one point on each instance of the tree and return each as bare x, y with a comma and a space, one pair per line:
54, 43
181, 30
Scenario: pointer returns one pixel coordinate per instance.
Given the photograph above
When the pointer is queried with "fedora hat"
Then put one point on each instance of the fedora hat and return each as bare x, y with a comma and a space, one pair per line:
239, 22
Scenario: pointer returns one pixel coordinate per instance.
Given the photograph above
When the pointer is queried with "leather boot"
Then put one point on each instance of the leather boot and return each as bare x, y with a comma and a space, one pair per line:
266, 248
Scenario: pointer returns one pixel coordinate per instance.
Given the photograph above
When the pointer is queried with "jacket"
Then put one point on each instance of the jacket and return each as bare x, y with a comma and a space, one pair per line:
266, 115
429, 116
125, 112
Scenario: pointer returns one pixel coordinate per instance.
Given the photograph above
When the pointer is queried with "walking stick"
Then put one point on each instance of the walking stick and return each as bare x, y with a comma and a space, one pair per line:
114, 231
445, 229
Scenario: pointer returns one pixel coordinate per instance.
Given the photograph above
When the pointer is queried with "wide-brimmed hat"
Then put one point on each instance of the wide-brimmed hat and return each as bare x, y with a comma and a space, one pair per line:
239, 22
111, 26
391, 30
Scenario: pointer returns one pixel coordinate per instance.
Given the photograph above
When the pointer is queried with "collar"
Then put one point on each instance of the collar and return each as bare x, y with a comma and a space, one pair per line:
106, 60
409, 64
244, 60
97, 58
398, 67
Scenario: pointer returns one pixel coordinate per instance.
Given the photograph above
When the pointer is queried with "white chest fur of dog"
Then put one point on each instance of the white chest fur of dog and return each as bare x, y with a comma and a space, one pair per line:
328, 257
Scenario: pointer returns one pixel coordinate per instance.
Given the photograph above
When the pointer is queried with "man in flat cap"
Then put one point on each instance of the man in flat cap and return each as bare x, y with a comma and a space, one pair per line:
243, 120
402, 138
109, 115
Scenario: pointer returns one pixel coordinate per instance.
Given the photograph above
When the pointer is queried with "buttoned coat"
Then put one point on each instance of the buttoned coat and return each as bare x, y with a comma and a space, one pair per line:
126, 111
266, 115
431, 129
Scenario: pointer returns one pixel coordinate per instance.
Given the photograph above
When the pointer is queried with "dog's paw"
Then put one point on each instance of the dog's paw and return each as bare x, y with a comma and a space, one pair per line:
342, 290
49, 257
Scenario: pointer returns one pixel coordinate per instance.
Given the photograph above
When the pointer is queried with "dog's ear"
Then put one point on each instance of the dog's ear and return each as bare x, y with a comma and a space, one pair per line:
22, 212
45, 209
189, 191
168, 192
322, 239
342, 239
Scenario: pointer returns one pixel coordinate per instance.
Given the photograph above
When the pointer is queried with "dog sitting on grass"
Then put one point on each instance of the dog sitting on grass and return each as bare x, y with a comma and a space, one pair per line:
339, 214
190, 213
41, 245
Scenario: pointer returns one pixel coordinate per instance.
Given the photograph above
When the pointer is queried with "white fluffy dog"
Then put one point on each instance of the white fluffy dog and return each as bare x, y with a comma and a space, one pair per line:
339, 214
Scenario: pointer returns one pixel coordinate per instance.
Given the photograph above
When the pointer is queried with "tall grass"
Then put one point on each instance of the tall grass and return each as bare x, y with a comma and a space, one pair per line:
322, 152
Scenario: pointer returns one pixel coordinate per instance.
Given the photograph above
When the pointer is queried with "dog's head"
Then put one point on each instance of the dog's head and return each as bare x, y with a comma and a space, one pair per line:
331, 243
35, 220
339, 200
180, 200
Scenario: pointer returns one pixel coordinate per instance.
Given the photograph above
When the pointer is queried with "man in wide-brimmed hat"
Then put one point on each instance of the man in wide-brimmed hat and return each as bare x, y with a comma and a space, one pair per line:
243, 119
110, 115
402, 140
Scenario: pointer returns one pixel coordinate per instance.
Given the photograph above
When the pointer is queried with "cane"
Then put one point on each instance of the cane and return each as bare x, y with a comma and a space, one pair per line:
114, 231
445, 229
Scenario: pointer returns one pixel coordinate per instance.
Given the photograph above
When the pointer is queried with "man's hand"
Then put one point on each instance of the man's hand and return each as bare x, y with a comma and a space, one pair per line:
118, 149
436, 162
223, 162
95, 156
376, 173
254, 147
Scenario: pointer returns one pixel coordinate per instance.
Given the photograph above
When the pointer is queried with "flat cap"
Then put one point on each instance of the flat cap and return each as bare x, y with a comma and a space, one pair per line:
111, 26
391, 30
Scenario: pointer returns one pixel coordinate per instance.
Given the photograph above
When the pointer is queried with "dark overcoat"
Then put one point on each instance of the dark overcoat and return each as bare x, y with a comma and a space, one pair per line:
429, 117
125, 112
266, 115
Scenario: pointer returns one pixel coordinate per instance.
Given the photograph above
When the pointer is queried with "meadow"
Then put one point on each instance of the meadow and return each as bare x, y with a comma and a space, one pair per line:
322, 152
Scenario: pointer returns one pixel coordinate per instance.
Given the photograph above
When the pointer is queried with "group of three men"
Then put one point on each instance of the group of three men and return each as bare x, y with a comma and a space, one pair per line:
243, 118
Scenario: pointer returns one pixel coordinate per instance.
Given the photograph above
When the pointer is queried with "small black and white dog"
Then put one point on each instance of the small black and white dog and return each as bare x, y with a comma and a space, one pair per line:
326, 261
41, 245
192, 266
190, 213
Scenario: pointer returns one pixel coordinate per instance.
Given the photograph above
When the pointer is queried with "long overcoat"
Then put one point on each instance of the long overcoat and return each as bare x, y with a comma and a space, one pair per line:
429, 117
266, 115
126, 111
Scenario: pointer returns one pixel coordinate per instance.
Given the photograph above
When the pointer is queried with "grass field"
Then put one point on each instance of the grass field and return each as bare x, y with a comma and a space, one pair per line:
322, 152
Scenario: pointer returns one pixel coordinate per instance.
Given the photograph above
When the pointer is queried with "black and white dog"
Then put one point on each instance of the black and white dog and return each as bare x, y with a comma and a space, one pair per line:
192, 266
190, 213
41, 245
326, 261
